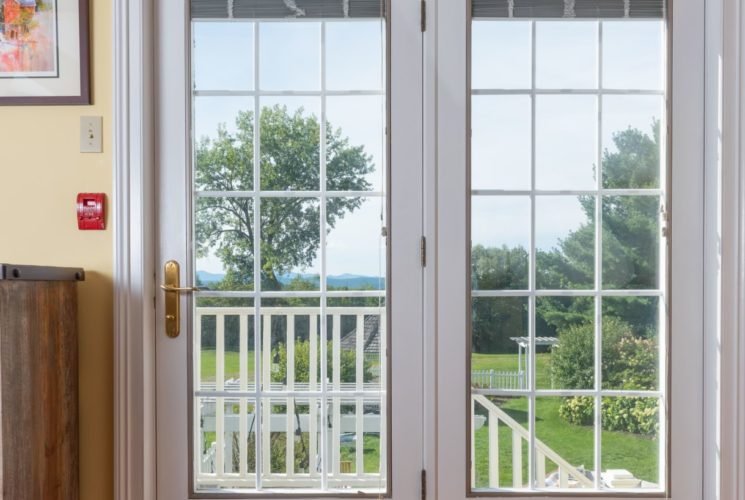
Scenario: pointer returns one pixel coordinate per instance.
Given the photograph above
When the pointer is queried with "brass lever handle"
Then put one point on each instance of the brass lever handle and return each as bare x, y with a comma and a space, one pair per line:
173, 290
186, 289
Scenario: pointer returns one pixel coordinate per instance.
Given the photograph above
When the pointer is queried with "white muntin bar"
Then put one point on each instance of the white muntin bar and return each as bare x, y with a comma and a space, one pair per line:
567, 192
285, 93
537, 91
258, 371
290, 294
289, 194
567, 293
556, 393
325, 452
532, 273
279, 396
599, 274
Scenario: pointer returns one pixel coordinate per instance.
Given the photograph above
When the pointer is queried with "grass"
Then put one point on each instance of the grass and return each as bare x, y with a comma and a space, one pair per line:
232, 365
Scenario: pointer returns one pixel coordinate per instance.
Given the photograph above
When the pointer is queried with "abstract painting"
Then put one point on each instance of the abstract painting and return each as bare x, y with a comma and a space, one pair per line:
44, 52
28, 38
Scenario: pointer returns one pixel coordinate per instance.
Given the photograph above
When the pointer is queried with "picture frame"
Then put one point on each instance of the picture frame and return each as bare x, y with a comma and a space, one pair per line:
44, 52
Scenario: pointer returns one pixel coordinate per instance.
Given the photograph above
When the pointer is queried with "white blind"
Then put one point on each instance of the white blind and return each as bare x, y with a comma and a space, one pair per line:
598, 9
277, 9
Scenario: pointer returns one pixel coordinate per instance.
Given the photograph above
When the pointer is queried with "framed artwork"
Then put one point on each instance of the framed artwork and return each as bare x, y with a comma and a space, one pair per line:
44, 52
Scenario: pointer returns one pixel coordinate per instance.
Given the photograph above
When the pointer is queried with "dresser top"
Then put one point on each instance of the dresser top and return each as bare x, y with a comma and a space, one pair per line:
13, 272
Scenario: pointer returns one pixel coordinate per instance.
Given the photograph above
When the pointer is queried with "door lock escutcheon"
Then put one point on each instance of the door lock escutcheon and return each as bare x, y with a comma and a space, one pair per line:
173, 290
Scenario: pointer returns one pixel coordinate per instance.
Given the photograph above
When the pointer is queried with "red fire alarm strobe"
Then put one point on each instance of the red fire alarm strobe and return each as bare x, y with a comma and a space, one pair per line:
91, 211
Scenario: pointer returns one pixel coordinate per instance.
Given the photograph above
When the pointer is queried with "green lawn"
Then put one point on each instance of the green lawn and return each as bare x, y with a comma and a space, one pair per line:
232, 365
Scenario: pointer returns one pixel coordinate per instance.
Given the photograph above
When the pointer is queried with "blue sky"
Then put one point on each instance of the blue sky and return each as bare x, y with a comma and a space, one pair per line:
566, 129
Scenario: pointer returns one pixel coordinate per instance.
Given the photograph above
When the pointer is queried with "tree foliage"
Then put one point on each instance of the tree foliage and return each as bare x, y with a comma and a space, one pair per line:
290, 150
630, 256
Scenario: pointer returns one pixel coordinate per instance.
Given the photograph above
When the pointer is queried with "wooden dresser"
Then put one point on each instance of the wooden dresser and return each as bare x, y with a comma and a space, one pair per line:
39, 382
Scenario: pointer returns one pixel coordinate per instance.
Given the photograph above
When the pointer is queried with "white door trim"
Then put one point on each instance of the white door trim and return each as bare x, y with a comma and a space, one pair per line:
134, 321
726, 136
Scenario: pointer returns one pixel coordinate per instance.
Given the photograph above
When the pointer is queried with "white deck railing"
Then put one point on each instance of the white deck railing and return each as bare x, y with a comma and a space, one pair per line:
215, 463
568, 475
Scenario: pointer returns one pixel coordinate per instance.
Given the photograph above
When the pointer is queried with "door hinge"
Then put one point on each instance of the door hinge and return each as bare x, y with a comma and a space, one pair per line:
424, 484
423, 6
423, 251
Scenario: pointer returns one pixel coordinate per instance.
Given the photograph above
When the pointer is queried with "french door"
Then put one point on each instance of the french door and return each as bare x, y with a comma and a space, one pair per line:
570, 221
473, 249
289, 342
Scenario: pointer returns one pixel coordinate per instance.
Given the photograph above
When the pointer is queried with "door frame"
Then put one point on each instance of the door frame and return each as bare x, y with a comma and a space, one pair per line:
134, 243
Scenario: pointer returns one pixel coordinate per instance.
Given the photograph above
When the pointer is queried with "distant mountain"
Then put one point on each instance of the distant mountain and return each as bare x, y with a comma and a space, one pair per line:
207, 278
352, 281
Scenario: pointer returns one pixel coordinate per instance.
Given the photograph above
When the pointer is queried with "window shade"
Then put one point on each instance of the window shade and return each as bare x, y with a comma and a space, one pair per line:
653, 9
278, 9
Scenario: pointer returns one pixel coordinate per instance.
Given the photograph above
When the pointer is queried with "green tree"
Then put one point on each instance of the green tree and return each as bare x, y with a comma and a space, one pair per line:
630, 233
289, 160
630, 256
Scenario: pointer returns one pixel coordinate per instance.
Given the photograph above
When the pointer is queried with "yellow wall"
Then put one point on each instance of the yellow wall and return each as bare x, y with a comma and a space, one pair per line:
41, 171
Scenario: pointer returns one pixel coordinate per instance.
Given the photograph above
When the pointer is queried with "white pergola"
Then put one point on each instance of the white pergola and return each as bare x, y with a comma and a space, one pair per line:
523, 345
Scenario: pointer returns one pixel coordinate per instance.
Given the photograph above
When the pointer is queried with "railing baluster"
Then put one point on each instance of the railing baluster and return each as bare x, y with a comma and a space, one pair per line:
266, 407
312, 404
243, 407
540, 469
493, 450
336, 385
563, 478
383, 325
360, 383
473, 443
290, 408
517, 460
220, 402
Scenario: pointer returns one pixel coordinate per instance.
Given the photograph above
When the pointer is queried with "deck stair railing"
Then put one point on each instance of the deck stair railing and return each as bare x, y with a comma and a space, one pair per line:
568, 474
228, 422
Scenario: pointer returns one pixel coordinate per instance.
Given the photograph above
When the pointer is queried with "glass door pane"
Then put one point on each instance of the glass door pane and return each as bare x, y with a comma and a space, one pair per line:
290, 208
568, 250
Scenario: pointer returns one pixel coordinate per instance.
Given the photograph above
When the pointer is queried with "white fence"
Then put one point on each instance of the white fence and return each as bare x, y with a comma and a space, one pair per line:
493, 379
334, 414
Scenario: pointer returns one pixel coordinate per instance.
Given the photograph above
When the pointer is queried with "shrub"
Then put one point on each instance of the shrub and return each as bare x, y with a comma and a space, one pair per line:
636, 415
628, 363
578, 410
347, 360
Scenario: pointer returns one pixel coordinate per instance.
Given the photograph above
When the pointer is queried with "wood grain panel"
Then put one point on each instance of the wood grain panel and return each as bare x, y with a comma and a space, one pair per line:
39, 390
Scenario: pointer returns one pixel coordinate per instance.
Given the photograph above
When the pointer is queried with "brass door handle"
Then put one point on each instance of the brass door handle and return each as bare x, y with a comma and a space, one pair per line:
173, 290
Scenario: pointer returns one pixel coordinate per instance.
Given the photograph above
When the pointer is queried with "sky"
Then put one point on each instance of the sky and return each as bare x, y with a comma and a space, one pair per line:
566, 129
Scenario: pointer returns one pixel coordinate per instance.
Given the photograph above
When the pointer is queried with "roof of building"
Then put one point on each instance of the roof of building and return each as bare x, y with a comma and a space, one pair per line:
372, 336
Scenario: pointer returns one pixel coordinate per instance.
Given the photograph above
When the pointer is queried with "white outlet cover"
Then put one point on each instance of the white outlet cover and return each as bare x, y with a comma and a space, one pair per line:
91, 134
